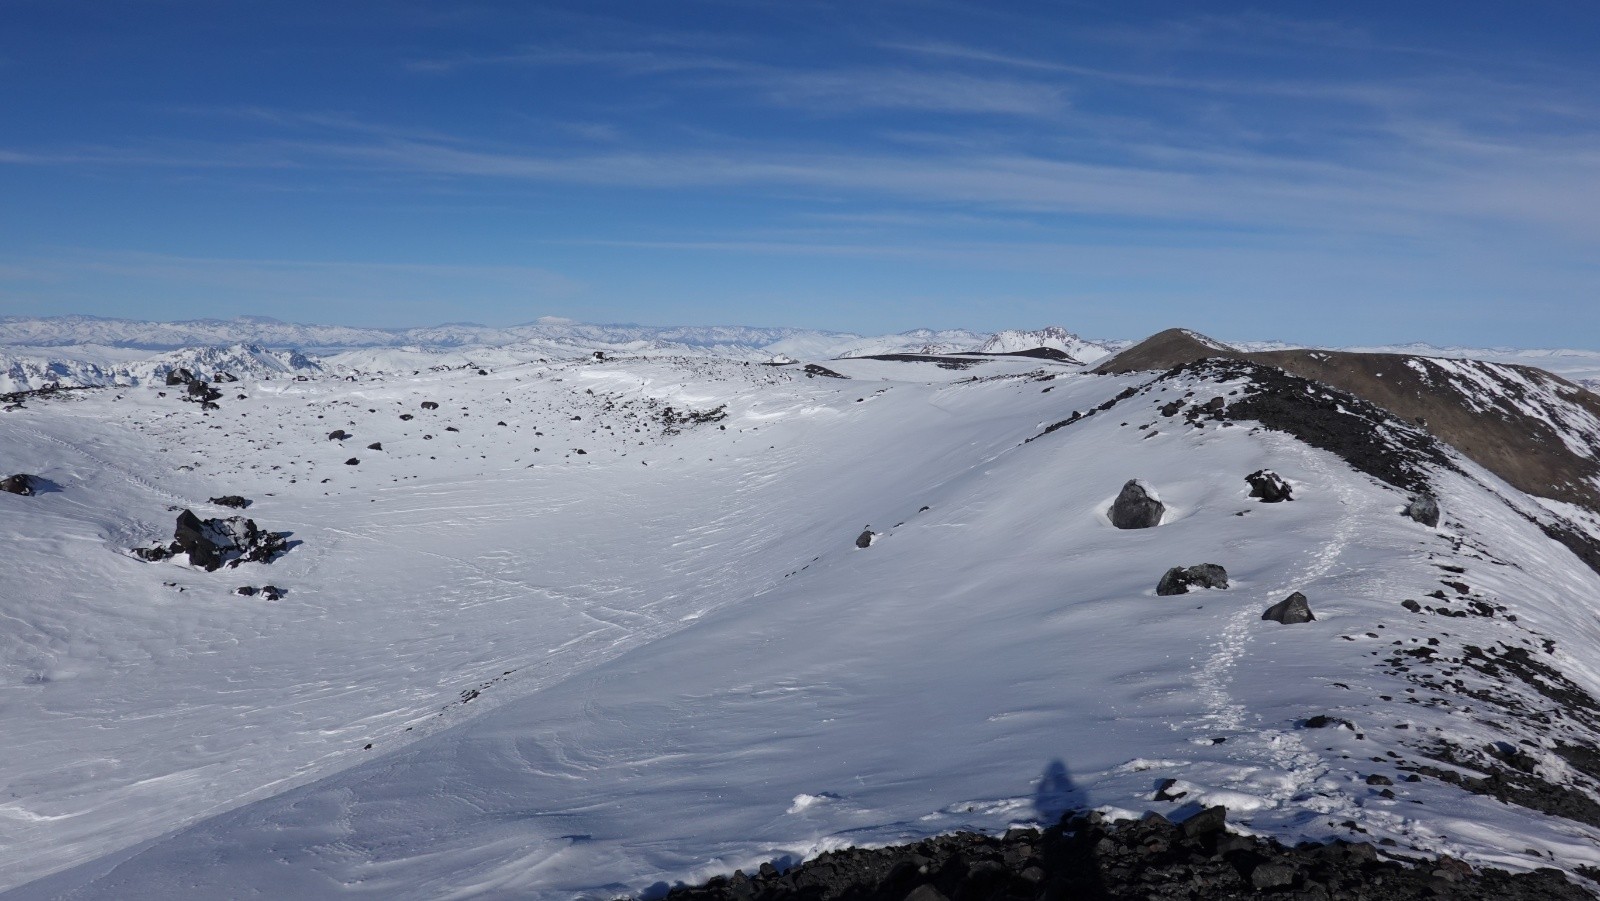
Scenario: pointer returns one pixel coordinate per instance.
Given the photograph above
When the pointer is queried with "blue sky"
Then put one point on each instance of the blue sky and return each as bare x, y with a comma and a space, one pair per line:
1337, 173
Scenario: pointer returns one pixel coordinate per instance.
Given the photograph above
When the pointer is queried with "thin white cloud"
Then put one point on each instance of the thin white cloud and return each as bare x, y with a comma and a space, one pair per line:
288, 278
867, 89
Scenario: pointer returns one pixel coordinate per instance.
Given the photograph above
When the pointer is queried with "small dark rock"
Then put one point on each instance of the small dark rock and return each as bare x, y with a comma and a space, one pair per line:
21, 483
338, 435
865, 539
1164, 791
376, 445
1210, 821
1270, 876
1411, 605
1291, 610
429, 405
231, 500
353, 461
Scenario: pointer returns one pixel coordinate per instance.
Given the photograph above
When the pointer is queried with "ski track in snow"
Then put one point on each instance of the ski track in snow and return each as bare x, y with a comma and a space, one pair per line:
131, 478
1278, 750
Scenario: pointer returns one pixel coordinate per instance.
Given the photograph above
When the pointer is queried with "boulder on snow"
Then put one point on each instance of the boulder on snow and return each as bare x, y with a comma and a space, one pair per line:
1179, 579
222, 376
214, 543
1424, 508
376, 445
201, 392
179, 377
21, 483
429, 405
1269, 486
231, 500
338, 435
865, 539
353, 461
1137, 507
1291, 610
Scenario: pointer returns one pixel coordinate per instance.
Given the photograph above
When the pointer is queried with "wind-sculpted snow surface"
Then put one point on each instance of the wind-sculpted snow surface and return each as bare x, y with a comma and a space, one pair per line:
551, 641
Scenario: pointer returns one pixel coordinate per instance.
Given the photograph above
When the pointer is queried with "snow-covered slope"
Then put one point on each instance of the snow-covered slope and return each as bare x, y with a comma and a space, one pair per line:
82, 350
555, 641
32, 368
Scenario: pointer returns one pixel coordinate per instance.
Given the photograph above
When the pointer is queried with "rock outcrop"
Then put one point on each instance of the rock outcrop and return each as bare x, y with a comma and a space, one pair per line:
214, 543
1424, 508
1137, 507
1291, 610
1179, 579
1269, 486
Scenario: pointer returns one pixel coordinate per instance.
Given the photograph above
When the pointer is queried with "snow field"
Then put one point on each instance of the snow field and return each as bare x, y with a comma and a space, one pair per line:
686, 666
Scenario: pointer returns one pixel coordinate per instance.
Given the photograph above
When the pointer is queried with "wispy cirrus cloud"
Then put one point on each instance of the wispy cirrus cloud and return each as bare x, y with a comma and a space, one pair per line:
624, 61
299, 287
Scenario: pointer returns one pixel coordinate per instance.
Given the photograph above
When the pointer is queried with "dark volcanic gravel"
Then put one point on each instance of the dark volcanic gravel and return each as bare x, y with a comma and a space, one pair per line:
1087, 857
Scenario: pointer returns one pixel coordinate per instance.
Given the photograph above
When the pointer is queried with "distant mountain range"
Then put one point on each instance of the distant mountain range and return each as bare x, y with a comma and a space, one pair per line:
90, 350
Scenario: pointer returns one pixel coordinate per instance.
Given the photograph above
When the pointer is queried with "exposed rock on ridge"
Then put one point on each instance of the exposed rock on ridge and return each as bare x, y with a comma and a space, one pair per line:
1538, 431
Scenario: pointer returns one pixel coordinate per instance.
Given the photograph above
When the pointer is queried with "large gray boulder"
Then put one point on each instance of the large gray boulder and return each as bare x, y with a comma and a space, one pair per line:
1137, 507
1291, 610
1179, 579
1424, 508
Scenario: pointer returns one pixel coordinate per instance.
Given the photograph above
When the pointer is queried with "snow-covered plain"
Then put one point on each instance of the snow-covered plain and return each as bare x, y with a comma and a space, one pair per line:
600, 673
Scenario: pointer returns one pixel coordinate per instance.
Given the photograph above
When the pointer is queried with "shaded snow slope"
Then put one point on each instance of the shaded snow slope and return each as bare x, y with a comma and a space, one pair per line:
587, 674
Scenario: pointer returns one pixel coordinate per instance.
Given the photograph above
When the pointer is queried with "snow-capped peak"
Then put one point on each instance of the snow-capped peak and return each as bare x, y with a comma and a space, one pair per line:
1052, 336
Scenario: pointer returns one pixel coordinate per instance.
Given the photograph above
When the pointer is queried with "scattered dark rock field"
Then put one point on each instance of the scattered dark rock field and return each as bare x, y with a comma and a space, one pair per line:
1087, 857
